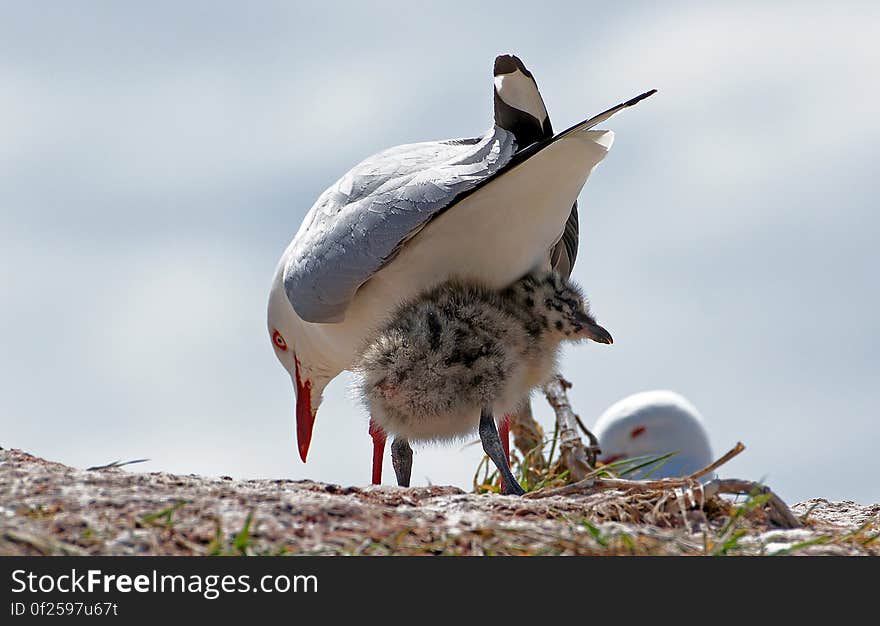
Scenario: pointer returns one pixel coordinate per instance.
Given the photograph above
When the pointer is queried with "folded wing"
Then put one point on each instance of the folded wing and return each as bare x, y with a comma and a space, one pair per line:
359, 223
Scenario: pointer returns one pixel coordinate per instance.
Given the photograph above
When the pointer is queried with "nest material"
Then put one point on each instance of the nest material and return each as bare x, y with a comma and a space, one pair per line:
669, 502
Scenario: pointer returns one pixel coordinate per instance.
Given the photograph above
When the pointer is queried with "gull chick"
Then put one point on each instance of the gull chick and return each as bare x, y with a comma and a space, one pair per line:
458, 355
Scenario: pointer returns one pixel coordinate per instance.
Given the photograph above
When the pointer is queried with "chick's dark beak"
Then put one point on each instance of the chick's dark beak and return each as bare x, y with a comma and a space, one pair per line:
591, 330
598, 334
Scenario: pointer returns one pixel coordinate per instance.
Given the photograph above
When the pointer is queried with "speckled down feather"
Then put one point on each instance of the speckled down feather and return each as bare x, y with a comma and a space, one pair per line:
461, 347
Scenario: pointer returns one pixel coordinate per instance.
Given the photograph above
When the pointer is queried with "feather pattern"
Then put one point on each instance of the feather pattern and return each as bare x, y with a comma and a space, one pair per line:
460, 347
358, 224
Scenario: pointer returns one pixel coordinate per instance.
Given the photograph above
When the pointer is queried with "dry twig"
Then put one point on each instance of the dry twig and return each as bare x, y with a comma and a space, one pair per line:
682, 490
115, 464
578, 459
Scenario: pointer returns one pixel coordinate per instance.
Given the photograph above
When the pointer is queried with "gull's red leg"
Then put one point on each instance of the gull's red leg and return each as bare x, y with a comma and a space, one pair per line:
495, 451
378, 436
504, 434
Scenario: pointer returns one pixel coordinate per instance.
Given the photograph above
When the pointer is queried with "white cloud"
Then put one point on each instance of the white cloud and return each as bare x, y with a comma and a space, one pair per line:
746, 92
183, 130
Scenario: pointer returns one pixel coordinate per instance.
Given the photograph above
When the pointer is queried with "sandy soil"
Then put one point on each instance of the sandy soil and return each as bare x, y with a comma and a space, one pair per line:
49, 508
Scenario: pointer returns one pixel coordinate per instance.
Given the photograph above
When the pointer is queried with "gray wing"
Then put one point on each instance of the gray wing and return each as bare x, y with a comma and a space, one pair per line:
360, 223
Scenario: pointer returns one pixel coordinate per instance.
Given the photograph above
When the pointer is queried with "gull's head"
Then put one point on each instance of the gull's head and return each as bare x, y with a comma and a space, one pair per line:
290, 339
654, 423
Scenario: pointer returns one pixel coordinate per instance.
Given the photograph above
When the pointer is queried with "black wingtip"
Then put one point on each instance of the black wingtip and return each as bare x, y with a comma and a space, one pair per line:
509, 63
639, 98
527, 126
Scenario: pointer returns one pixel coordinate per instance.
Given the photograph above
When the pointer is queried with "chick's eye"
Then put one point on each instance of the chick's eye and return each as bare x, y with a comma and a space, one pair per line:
278, 340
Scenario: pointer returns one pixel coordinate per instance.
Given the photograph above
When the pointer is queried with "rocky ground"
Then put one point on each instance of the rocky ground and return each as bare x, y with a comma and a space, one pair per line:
49, 508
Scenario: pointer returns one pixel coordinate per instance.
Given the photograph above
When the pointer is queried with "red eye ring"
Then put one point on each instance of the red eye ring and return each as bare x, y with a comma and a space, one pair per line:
278, 341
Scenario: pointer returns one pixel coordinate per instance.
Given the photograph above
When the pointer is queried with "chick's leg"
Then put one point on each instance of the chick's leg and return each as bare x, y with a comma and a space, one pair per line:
401, 459
493, 448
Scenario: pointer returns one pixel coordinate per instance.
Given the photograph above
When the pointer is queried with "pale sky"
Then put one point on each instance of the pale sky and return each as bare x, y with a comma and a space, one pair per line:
155, 160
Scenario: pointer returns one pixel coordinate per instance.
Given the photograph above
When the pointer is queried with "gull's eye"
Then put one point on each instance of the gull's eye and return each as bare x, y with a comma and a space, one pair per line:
279, 342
